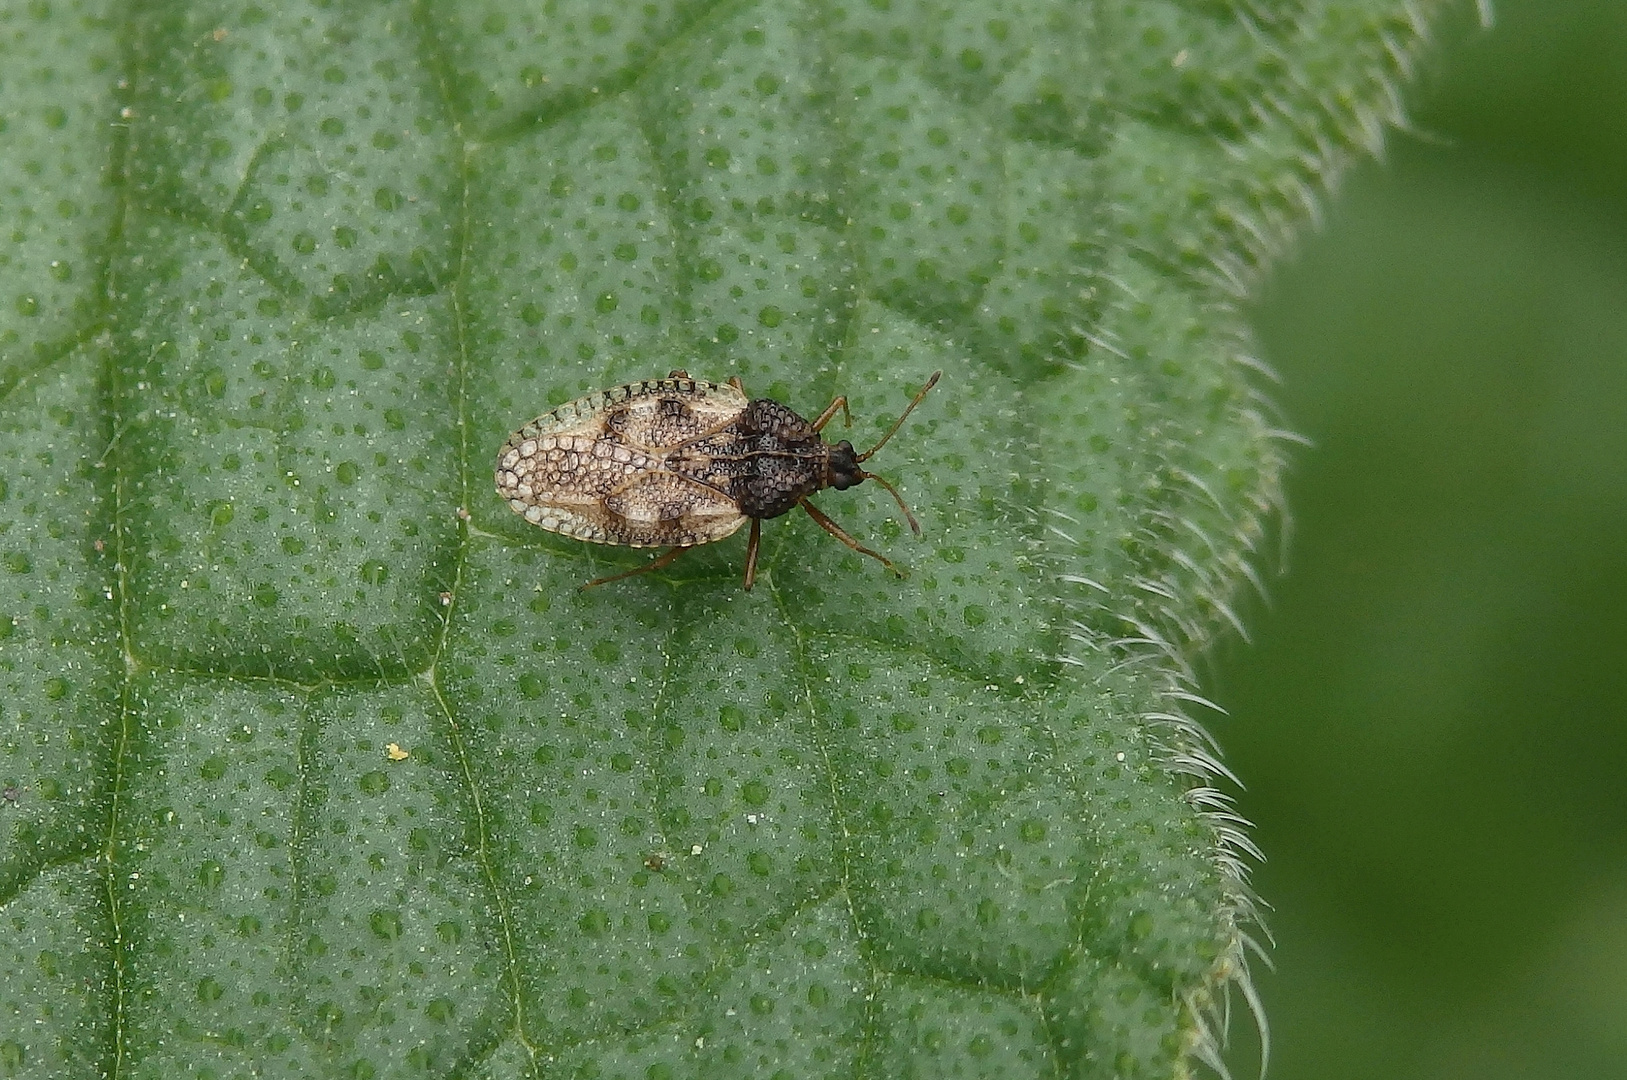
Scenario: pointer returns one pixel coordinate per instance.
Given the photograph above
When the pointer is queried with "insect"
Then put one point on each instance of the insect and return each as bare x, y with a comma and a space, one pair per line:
679, 462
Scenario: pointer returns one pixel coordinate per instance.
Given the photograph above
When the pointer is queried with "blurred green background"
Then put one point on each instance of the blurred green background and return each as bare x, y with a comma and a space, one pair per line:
1431, 716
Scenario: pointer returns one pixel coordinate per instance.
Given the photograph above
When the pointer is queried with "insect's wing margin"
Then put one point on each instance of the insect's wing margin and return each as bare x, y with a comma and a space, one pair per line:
715, 403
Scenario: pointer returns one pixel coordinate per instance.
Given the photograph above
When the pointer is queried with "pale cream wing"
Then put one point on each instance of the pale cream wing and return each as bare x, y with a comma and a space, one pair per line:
646, 508
560, 480
712, 404
671, 416
593, 469
662, 509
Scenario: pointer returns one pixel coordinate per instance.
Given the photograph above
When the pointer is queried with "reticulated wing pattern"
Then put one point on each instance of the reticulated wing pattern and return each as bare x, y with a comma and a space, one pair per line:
603, 468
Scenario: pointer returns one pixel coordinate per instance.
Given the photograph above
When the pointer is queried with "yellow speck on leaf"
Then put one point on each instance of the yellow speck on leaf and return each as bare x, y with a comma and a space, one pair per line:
396, 753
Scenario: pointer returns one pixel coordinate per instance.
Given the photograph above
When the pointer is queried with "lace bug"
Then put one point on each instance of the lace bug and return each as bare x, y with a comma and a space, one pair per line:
679, 462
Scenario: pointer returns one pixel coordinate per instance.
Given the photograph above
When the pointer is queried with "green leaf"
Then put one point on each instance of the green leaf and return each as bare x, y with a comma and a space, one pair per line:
315, 759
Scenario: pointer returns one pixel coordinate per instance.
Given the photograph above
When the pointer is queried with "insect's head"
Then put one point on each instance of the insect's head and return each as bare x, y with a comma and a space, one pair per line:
845, 466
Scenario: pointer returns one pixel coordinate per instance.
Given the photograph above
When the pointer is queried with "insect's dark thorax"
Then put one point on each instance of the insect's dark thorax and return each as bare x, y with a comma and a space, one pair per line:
767, 460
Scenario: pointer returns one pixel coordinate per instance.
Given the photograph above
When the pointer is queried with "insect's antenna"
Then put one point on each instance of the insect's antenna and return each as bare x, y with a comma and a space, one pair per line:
930, 383
915, 526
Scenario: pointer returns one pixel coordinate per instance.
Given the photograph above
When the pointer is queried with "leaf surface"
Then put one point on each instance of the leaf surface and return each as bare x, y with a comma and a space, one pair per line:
317, 762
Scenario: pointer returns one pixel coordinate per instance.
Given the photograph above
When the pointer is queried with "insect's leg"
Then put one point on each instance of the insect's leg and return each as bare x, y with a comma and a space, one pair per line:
824, 417
654, 564
752, 544
841, 534
734, 381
